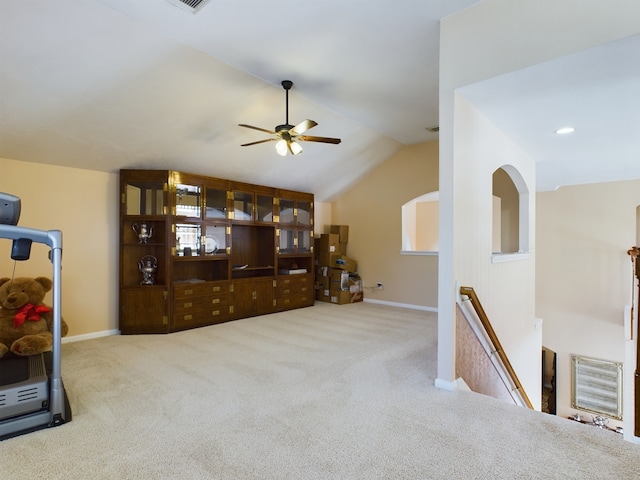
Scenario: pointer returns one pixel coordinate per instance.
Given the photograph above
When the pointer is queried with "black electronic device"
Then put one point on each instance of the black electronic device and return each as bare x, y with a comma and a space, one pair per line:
9, 209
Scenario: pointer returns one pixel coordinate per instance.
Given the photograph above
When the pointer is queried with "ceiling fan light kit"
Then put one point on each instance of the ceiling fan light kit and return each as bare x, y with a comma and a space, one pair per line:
285, 135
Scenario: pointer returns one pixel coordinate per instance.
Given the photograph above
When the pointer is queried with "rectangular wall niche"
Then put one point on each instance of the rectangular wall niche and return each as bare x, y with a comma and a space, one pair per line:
596, 386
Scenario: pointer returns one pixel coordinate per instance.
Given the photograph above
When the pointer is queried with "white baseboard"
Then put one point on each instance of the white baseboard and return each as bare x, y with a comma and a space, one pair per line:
89, 336
457, 384
401, 305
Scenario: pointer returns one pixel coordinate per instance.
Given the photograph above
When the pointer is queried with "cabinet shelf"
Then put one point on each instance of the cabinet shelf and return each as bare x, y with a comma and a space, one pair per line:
249, 269
201, 258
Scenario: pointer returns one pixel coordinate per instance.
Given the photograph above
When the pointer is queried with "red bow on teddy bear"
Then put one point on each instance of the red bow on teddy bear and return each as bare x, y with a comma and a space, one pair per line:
29, 312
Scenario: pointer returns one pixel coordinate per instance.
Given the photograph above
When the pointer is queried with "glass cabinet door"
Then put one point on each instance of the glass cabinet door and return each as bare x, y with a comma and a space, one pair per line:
287, 214
264, 211
294, 241
216, 204
288, 241
303, 213
143, 198
298, 212
187, 200
304, 241
188, 239
242, 206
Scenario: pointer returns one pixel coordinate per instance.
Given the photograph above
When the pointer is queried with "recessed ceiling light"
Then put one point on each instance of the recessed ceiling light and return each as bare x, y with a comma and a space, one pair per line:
565, 130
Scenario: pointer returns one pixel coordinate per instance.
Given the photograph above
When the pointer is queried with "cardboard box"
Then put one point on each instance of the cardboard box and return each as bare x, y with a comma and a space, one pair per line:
327, 243
343, 298
343, 281
344, 263
323, 291
342, 231
326, 260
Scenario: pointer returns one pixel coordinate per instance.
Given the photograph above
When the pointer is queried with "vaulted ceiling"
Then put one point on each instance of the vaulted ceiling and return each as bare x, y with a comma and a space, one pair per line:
110, 84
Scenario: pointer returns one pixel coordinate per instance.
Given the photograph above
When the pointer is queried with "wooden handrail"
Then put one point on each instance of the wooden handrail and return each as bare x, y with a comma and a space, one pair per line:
484, 319
635, 253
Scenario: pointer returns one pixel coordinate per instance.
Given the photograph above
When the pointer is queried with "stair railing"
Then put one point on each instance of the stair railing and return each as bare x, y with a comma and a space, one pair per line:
497, 347
634, 252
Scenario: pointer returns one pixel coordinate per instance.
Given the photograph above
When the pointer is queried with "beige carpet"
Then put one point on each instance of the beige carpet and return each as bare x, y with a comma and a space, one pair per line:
327, 392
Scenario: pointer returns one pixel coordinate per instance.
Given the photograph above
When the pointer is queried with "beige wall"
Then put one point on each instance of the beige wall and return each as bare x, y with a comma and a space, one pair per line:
426, 224
583, 273
373, 210
83, 205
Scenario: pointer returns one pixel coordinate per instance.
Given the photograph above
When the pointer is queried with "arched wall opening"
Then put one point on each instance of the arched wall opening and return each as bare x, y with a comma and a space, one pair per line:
420, 223
510, 212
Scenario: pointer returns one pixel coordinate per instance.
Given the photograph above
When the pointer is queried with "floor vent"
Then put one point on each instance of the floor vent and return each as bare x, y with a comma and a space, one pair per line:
190, 5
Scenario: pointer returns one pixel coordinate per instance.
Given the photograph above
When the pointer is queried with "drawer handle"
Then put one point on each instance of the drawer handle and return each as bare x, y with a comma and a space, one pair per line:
215, 300
287, 291
188, 292
188, 305
215, 312
215, 289
188, 317
303, 289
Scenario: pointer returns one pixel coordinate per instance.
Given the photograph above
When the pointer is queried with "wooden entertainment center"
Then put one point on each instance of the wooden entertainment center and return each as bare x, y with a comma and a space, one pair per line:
197, 250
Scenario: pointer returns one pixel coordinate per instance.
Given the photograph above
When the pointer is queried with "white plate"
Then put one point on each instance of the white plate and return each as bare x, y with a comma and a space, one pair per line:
211, 245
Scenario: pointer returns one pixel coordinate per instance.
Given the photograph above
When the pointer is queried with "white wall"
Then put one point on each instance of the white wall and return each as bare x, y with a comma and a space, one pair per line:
505, 288
488, 39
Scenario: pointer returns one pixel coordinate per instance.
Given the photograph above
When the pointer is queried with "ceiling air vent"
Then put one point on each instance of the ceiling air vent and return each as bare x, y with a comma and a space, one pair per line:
190, 5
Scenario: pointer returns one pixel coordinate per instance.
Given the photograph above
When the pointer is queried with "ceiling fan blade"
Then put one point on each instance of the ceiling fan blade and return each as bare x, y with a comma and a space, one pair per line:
303, 127
259, 141
257, 128
308, 138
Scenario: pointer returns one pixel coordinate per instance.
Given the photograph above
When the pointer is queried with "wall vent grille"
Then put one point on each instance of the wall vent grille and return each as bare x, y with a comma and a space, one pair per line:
190, 5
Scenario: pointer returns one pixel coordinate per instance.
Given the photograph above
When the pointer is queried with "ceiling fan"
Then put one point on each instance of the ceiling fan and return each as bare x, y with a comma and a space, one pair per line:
287, 135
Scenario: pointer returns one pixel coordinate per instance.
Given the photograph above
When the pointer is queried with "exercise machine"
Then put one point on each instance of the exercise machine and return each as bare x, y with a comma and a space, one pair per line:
32, 394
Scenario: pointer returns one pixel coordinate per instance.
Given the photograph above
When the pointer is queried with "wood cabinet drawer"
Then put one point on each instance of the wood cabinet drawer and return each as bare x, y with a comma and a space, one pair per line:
287, 302
188, 305
294, 289
295, 284
203, 314
294, 280
190, 290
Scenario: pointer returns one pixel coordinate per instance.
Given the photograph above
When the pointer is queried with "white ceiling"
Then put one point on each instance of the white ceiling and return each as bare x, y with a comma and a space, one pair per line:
596, 91
110, 84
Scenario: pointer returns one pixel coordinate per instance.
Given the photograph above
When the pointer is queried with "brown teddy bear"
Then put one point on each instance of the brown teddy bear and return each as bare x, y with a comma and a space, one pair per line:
25, 322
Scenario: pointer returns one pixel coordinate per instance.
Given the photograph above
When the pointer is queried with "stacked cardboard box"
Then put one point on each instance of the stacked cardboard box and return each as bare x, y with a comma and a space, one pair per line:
337, 280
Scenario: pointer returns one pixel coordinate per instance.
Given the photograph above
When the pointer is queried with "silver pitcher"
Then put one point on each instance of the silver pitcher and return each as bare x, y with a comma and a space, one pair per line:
148, 266
143, 231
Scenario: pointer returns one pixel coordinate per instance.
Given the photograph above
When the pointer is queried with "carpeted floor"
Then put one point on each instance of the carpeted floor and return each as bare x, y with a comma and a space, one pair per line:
327, 392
